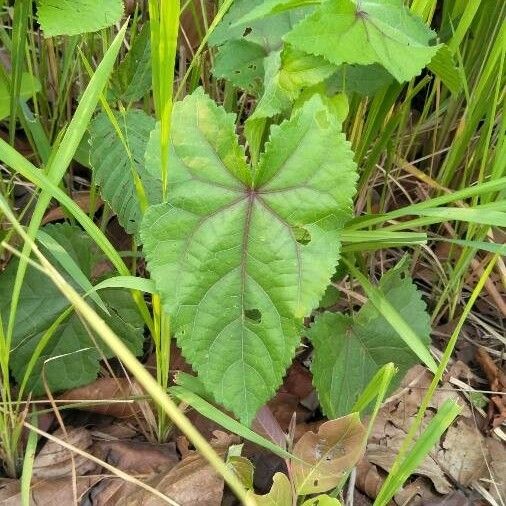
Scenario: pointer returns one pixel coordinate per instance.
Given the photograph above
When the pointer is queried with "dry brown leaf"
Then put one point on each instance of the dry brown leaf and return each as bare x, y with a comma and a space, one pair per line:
497, 452
82, 199
497, 380
369, 481
112, 491
104, 389
298, 381
327, 455
462, 453
57, 491
283, 406
55, 461
137, 457
192, 481
279, 495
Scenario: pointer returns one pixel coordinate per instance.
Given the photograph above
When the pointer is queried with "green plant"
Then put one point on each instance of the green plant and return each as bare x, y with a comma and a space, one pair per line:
243, 242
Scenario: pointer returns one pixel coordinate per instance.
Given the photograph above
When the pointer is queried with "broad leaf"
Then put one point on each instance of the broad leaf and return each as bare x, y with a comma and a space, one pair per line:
365, 80
279, 495
75, 360
72, 17
366, 32
115, 164
243, 46
133, 77
349, 350
443, 66
327, 456
240, 256
242, 63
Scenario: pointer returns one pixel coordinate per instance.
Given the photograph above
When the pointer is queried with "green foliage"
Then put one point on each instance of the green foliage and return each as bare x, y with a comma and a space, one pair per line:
349, 350
242, 47
240, 255
70, 357
367, 32
29, 86
116, 161
72, 17
132, 80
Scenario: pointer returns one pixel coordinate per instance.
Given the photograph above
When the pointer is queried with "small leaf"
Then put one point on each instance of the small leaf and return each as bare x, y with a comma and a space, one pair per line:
279, 495
30, 86
443, 66
225, 241
70, 358
72, 17
327, 456
242, 63
322, 500
113, 164
133, 77
365, 32
349, 350
243, 468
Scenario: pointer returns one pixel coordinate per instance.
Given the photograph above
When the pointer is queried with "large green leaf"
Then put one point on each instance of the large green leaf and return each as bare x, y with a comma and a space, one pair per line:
366, 32
240, 256
115, 161
72, 17
74, 358
349, 350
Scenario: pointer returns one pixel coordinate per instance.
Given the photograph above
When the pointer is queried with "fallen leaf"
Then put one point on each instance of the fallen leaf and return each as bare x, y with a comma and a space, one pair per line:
192, 481
497, 452
266, 425
57, 491
137, 457
279, 495
243, 468
82, 199
298, 381
327, 455
385, 443
283, 406
104, 389
55, 461
368, 480
497, 380
462, 453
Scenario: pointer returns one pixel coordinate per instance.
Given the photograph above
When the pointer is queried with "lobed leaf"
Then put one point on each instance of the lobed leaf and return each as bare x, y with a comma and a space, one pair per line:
72, 17
239, 255
366, 32
349, 350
